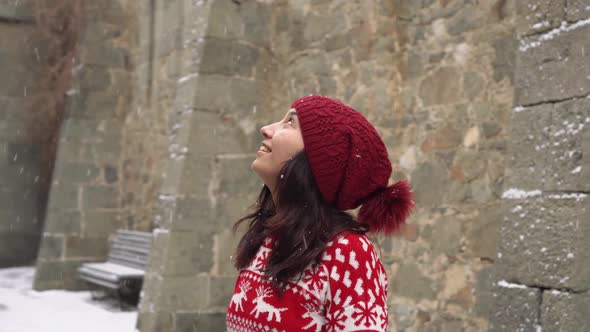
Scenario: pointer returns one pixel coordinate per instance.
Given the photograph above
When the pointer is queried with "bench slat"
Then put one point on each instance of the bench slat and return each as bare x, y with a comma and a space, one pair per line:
127, 260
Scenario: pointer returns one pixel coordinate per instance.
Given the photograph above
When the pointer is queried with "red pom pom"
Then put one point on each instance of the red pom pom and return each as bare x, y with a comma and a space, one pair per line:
388, 210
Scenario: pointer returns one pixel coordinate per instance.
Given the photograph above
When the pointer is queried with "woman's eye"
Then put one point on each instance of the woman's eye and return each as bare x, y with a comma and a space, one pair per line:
290, 121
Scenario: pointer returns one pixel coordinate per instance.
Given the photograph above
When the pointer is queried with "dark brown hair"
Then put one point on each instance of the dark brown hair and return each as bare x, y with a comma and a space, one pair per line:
301, 223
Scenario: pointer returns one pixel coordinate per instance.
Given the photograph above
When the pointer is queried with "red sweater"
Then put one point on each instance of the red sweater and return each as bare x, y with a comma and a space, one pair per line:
346, 291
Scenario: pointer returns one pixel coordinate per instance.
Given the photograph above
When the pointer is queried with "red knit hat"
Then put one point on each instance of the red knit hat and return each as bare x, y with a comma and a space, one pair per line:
350, 163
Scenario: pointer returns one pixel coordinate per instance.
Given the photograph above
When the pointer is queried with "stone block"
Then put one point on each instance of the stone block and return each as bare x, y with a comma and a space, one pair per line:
256, 16
565, 312
538, 15
154, 321
52, 247
94, 78
58, 275
236, 176
94, 106
99, 197
22, 83
228, 57
483, 234
101, 223
576, 10
447, 234
64, 222
78, 247
224, 20
484, 292
171, 293
410, 282
182, 255
527, 152
21, 11
244, 95
544, 241
515, 309
76, 172
220, 132
186, 214
197, 177
221, 289
64, 197
553, 69
505, 48
210, 93
468, 18
429, 181
434, 93
569, 121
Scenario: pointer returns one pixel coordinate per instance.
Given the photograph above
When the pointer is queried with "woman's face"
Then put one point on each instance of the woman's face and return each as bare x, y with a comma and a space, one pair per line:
282, 140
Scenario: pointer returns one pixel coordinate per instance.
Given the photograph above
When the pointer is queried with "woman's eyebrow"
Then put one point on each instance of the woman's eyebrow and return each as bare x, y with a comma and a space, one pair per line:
292, 112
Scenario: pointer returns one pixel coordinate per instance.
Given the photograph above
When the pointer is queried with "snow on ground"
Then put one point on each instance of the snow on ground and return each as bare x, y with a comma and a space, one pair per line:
25, 310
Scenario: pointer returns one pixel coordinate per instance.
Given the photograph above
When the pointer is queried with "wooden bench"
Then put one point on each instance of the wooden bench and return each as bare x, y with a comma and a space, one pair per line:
124, 270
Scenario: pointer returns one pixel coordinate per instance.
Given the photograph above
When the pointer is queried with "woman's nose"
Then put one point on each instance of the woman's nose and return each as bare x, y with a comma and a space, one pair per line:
266, 131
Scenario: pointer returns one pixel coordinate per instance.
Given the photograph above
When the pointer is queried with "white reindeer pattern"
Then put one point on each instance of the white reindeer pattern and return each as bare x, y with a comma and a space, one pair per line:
238, 297
317, 319
263, 307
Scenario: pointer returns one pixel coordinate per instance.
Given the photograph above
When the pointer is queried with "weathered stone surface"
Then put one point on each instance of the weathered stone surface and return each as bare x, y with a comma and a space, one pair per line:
434, 93
515, 309
220, 291
224, 20
77, 172
504, 62
527, 154
483, 292
101, 223
100, 197
544, 241
429, 181
219, 131
410, 282
78, 247
66, 222
18, 11
169, 294
53, 247
538, 15
446, 236
553, 69
58, 274
18, 248
483, 234
565, 312
576, 10
569, 121
256, 16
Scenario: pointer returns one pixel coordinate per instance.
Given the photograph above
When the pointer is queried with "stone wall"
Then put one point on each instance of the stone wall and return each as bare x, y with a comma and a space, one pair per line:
386, 58
543, 278
435, 77
211, 67
21, 191
84, 207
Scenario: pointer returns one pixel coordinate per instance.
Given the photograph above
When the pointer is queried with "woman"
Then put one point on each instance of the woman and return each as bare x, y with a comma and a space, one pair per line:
305, 264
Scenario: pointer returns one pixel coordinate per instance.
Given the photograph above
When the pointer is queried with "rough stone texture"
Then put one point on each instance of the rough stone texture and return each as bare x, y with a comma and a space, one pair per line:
21, 192
543, 242
515, 309
84, 207
553, 66
170, 99
562, 311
